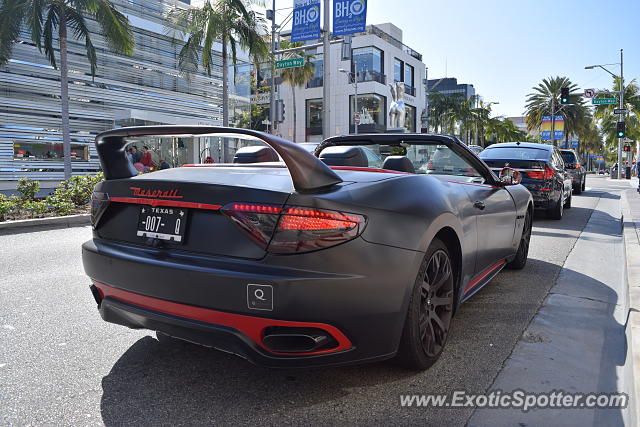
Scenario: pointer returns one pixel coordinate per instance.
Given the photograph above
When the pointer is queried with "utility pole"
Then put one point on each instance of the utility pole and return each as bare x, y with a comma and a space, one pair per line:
553, 121
326, 74
272, 106
621, 140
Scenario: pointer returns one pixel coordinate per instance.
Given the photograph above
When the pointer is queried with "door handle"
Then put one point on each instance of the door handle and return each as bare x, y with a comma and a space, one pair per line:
479, 205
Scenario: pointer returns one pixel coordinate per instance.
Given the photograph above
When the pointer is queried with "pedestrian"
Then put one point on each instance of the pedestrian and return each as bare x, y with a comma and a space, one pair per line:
164, 164
145, 159
209, 159
135, 155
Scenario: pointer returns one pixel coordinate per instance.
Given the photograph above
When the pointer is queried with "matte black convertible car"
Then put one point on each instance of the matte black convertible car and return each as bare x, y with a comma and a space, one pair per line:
308, 261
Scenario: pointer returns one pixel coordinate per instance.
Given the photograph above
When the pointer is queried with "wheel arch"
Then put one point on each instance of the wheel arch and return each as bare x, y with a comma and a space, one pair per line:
450, 238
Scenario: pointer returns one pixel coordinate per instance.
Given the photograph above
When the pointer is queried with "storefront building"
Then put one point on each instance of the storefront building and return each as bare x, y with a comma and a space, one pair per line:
378, 59
143, 89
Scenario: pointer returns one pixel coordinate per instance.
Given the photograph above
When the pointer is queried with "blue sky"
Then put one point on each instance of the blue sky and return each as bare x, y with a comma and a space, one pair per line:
504, 48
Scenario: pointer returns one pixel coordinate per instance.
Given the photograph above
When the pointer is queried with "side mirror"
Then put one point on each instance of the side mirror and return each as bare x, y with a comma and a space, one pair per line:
509, 176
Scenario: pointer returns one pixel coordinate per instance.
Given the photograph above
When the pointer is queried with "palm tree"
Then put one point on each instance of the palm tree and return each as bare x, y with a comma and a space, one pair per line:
297, 77
42, 18
539, 104
232, 22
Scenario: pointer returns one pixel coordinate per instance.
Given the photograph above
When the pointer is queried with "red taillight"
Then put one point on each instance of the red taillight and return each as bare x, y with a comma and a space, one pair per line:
294, 229
548, 173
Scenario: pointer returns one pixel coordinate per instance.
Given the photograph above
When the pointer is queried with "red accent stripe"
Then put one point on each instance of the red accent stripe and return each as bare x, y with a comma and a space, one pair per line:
480, 277
363, 169
542, 189
252, 327
160, 202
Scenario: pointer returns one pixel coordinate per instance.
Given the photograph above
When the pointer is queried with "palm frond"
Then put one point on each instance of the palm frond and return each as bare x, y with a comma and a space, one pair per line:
77, 23
115, 26
11, 16
50, 24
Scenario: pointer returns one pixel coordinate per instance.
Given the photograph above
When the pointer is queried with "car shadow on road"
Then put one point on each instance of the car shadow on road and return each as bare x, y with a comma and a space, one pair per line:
185, 384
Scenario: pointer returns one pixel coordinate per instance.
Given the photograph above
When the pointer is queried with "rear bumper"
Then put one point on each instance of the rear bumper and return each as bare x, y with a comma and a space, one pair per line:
205, 300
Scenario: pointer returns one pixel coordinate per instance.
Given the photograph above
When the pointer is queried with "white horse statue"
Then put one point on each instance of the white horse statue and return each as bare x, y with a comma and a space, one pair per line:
397, 112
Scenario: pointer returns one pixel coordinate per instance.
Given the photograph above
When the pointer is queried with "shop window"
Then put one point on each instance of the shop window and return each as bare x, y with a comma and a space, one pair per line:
371, 108
48, 151
410, 118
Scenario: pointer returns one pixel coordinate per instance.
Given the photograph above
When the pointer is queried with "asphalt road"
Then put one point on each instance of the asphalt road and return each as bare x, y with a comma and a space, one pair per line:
60, 364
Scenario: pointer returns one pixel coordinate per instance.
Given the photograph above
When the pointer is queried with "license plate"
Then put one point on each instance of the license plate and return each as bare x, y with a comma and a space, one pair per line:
162, 223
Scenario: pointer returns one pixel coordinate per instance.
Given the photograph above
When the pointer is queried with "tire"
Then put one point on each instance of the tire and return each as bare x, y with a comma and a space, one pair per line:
555, 212
520, 260
578, 189
430, 310
584, 184
567, 203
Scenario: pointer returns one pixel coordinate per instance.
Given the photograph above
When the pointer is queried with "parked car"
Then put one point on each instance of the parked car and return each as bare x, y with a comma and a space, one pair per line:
477, 149
574, 167
306, 262
543, 172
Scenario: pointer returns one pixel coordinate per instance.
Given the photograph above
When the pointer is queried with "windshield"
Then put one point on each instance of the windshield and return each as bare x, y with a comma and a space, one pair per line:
428, 159
568, 157
515, 153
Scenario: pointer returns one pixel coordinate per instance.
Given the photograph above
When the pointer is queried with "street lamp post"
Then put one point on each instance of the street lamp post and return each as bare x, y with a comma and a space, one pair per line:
353, 76
621, 93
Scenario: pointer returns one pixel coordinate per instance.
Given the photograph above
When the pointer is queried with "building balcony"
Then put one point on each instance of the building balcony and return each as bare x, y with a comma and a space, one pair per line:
371, 76
409, 90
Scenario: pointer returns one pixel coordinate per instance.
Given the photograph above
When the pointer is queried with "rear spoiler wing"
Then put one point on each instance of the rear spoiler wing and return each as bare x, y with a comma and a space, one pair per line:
308, 173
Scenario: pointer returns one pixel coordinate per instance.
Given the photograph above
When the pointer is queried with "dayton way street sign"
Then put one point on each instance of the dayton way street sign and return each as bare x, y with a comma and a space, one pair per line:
600, 101
290, 63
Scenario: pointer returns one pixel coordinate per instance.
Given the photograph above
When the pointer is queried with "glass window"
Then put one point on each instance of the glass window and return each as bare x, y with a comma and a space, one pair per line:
398, 72
568, 157
318, 67
410, 118
371, 108
48, 151
515, 153
408, 75
368, 64
314, 113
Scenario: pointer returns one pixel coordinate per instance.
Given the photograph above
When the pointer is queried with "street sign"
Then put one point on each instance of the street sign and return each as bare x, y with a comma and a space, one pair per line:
356, 119
349, 16
589, 93
574, 144
620, 111
289, 63
306, 21
601, 101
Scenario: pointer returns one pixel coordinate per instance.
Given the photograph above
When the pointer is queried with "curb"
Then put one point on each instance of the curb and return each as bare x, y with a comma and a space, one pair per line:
631, 228
57, 221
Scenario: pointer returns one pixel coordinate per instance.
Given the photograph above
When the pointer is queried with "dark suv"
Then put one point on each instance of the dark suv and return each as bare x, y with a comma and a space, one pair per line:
542, 170
575, 169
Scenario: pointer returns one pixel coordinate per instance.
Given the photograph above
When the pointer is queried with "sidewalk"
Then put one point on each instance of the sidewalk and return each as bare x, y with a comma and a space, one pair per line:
631, 212
577, 342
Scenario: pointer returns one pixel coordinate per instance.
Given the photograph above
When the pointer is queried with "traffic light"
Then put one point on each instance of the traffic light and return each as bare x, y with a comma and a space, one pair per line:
626, 147
620, 130
564, 95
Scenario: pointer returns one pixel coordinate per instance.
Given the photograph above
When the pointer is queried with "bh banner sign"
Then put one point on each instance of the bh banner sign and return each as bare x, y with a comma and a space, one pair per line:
306, 20
349, 16
558, 127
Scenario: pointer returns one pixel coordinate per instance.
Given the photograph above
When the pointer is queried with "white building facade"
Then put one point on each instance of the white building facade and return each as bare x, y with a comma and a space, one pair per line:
378, 59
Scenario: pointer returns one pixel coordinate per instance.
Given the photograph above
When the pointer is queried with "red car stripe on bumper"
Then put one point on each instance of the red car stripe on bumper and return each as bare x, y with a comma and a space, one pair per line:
252, 327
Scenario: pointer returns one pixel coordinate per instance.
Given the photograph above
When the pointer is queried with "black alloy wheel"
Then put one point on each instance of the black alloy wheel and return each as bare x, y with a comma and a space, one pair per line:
556, 211
522, 254
430, 310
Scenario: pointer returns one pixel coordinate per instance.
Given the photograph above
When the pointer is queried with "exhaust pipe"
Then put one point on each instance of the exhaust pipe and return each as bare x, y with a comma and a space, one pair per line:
297, 340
